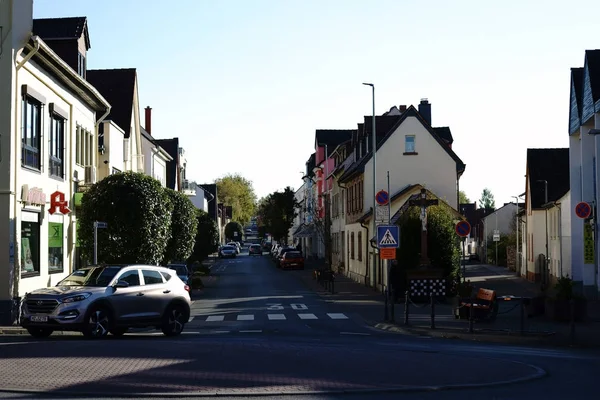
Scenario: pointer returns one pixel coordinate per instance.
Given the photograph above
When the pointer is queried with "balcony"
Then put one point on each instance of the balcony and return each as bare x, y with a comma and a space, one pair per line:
188, 188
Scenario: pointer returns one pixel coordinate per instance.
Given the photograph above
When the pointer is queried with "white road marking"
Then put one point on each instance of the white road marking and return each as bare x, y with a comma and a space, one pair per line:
298, 307
245, 317
252, 331
214, 318
191, 319
337, 316
307, 316
355, 333
276, 316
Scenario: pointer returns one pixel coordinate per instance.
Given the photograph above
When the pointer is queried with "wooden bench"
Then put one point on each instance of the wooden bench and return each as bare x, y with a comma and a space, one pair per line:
484, 305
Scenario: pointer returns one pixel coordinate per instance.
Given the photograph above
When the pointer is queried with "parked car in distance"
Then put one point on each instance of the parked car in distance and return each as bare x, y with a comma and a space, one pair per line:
227, 252
182, 271
292, 260
236, 246
281, 253
255, 249
100, 299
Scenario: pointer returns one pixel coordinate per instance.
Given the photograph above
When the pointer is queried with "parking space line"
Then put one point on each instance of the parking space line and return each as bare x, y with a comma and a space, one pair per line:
215, 318
307, 316
245, 317
276, 316
337, 316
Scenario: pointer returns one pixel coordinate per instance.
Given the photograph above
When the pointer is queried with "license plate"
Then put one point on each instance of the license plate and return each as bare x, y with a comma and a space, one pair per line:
293, 264
38, 318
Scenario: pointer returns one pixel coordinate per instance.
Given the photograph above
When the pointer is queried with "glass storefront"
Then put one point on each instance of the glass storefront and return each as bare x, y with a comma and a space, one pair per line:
30, 243
55, 247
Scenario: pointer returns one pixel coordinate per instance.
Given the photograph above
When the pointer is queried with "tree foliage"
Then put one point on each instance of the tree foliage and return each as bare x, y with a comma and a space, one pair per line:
183, 227
236, 191
487, 200
138, 214
207, 237
463, 198
276, 213
231, 228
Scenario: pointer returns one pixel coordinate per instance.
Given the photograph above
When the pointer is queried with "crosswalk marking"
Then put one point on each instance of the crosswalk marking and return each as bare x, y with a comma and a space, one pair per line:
276, 316
307, 316
214, 318
245, 317
337, 316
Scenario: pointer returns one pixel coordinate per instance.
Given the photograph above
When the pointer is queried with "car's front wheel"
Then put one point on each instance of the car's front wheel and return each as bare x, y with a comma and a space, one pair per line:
174, 320
98, 322
40, 332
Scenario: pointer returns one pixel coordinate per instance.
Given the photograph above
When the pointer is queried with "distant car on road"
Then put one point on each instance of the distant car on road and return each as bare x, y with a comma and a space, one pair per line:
181, 270
255, 249
235, 245
228, 251
100, 299
292, 259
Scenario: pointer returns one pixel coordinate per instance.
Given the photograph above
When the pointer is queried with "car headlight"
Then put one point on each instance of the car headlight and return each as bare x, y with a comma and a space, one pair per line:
79, 297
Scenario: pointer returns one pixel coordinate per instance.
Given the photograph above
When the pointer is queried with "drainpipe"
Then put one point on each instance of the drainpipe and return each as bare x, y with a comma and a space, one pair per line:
16, 267
560, 237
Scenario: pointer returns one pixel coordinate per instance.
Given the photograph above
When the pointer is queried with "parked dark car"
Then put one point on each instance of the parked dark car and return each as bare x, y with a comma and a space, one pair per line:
255, 249
182, 272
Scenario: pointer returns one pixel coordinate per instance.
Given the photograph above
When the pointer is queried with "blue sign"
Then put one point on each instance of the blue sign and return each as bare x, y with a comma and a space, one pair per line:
382, 197
388, 236
101, 225
463, 228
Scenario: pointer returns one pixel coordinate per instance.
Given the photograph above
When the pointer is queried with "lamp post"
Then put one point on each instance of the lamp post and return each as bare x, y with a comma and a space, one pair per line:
374, 150
546, 210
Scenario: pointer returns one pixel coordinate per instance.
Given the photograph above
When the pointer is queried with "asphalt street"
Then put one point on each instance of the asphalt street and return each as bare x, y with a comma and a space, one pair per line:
257, 331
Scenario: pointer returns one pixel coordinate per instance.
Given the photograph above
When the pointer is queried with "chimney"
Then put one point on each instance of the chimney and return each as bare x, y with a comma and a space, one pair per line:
148, 123
402, 108
425, 110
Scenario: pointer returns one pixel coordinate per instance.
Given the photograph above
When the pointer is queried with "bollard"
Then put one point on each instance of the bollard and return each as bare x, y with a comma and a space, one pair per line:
522, 317
392, 316
471, 319
432, 311
406, 300
572, 309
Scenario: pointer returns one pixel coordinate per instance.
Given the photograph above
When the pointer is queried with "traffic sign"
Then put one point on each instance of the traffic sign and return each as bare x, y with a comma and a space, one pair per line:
387, 254
382, 197
101, 225
388, 236
583, 210
463, 228
382, 214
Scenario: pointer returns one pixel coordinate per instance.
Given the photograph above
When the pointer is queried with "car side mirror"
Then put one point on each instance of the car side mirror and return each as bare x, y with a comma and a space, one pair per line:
121, 284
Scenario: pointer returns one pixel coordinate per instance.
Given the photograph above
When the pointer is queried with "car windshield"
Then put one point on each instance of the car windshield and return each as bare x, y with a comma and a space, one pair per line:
181, 270
227, 247
293, 254
93, 276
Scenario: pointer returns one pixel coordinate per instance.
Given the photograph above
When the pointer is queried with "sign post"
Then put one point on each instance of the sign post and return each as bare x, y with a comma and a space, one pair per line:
463, 229
97, 225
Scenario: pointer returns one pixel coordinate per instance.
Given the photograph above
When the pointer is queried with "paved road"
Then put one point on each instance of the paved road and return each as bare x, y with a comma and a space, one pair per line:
279, 351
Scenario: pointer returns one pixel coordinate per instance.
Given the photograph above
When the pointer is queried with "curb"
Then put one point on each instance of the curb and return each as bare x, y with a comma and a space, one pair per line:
537, 374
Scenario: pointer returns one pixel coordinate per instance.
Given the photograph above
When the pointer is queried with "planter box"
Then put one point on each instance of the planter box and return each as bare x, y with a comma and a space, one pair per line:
560, 309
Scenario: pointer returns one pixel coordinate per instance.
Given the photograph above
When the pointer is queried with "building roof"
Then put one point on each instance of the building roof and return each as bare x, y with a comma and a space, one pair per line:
576, 99
551, 165
592, 58
118, 87
332, 137
61, 28
444, 133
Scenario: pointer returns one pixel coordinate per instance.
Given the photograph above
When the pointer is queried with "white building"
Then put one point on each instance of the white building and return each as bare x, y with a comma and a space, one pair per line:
547, 187
49, 117
584, 150
155, 158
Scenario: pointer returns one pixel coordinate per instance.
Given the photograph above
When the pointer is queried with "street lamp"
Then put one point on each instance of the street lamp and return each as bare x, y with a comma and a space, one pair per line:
374, 150
546, 209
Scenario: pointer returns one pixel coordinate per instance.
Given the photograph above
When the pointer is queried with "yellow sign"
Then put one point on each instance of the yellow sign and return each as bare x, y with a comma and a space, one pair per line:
588, 244
387, 254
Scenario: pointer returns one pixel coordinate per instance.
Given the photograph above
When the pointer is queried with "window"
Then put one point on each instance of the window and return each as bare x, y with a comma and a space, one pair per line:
152, 277
81, 65
115, 171
79, 146
55, 247
409, 144
352, 245
31, 132
359, 246
57, 148
132, 277
30, 244
166, 275
84, 144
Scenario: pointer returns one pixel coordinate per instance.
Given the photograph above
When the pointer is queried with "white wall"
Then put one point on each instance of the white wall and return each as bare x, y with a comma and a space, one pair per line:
559, 245
113, 156
503, 219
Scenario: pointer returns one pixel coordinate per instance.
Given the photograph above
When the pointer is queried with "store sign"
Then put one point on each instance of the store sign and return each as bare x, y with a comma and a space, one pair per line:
33, 197
58, 203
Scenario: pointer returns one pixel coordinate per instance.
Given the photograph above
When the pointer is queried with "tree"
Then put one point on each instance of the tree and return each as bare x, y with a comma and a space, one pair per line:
463, 198
487, 200
236, 191
277, 212
207, 237
138, 215
231, 229
184, 227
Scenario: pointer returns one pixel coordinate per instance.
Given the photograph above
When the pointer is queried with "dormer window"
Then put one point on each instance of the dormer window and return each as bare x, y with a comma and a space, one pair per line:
81, 66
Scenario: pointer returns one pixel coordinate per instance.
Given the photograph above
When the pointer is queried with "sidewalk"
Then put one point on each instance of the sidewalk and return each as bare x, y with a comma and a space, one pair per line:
369, 304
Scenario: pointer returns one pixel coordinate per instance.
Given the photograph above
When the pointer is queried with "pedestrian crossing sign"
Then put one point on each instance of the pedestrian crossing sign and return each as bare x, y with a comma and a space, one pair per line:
388, 236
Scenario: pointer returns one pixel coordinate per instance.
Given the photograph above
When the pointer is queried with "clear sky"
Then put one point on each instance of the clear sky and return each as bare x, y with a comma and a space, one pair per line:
245, 83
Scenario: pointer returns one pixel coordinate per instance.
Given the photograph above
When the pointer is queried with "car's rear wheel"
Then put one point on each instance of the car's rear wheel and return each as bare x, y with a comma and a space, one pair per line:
174, 320
40, 332
98, 322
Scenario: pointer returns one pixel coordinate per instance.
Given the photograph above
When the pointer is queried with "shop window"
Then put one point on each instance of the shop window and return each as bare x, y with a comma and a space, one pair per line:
55, 247
30, 244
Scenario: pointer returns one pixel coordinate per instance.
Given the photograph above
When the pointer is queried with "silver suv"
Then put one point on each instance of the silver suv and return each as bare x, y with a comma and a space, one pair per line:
97, 300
